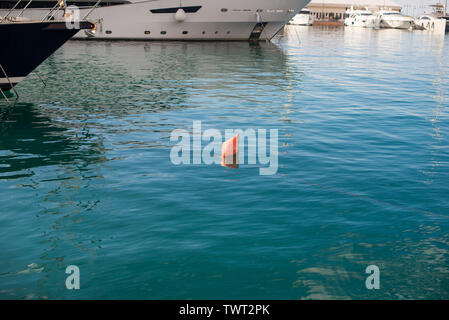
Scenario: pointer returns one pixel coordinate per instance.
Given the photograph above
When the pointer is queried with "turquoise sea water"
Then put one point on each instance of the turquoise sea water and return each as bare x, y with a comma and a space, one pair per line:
86, 177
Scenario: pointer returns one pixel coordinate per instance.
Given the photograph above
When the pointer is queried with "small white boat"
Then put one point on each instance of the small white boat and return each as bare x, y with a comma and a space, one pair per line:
426, 22
430, 22
394, 20
303, 18
361, 18
439, 12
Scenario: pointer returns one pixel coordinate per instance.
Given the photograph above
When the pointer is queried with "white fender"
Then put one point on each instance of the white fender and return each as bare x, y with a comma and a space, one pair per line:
180, 15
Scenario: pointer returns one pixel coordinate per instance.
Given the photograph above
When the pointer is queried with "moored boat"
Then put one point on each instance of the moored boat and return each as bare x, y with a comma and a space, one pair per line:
181, 20
361, 18
394, 20
440, 12
431, 23
303, 18
25, 44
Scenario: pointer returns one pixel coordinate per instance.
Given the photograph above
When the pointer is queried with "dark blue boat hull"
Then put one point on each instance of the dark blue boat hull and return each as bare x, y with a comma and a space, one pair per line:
25, 45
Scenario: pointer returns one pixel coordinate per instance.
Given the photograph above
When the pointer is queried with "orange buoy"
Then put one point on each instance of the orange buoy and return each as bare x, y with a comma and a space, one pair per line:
229, 152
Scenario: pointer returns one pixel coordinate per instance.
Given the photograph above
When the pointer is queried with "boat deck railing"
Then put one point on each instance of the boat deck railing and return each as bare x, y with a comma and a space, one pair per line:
60, 5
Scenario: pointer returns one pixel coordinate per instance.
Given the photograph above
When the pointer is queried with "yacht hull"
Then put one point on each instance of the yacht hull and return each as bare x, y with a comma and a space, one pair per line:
25, 45
302, 20
396, 24
363, 23
204, 20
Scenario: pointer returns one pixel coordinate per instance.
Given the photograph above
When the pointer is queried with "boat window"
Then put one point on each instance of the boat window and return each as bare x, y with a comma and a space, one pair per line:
108, 31
147, 32
185, 32
163, 32
224, 10
191, 9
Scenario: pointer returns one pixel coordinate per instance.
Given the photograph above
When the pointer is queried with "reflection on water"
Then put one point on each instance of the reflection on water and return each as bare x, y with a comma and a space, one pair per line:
156, 76
86, 178
31, 139
53, 161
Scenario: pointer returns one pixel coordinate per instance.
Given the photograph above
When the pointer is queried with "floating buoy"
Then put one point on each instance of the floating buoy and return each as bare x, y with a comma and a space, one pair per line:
180, 15
229, 152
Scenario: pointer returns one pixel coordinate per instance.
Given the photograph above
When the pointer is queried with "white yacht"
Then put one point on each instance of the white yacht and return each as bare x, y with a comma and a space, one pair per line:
439, 12
394, 20
177, 19
425, 22
303, 18
361, 18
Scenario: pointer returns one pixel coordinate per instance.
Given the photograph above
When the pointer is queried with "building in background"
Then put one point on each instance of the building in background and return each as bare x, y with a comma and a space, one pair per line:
332, 12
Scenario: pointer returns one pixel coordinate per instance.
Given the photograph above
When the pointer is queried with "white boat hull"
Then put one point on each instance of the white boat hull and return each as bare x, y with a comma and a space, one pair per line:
371, 22
396, 24
434, 25
302, 20
135, 21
